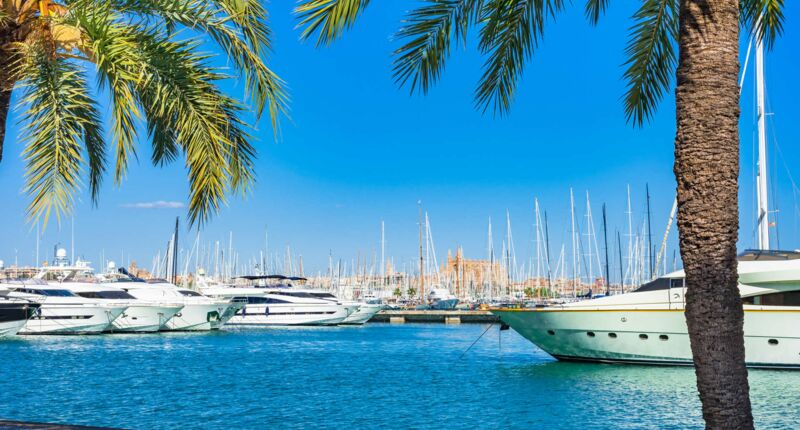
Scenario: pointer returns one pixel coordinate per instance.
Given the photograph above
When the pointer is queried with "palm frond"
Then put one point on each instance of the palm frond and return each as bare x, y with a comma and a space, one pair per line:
327, 18
511, 32
651, 58
429, 31
246, 42
764, 18
595, 9
61, 117
114, 53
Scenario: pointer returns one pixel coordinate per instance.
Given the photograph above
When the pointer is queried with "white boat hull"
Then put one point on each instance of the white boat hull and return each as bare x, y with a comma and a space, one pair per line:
197, 317
364, 313
72, 319
144, 319
254, 314
11, 328
654, 336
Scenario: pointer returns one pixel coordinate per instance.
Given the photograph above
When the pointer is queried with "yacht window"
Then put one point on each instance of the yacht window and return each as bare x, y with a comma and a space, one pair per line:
773, 341
113, 295
57, 293
788, 298
298, 294
258, 300
612, 335
676, 283
190, 293
551, 332
324, 295
643, 336
590, 333
664, 337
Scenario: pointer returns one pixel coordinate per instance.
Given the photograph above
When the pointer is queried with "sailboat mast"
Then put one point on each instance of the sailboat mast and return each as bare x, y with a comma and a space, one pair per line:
761, 182
605, 241
421, 258
649, 233
574, 245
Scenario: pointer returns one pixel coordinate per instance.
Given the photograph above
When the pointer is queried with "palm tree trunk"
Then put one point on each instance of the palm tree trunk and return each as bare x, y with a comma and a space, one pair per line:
707, 171
7, 34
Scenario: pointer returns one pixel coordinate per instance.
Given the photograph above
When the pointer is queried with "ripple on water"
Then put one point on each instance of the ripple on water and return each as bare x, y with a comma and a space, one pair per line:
375, 376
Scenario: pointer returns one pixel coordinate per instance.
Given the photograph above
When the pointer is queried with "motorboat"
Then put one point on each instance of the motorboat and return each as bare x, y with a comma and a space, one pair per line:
266, 303
14, 313
441, 299
199, 313
648, 325
62, 311
141, 316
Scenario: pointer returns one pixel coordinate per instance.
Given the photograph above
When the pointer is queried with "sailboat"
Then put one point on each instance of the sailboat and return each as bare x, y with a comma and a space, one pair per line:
648, 326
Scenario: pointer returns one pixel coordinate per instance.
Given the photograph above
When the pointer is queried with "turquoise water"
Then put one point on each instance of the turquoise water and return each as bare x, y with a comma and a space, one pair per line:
375, 376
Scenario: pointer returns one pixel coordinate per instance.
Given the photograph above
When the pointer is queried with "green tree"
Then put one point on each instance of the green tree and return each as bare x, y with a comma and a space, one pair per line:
529, 293
397, 293
155, 76
705, 34
411, 292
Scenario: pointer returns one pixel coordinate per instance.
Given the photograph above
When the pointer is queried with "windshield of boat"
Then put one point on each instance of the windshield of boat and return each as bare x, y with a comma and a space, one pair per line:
190, 293
49, 293
110, 294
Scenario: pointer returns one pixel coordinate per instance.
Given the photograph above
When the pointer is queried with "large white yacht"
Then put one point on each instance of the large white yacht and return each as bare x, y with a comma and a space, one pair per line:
141, 316
266, 304
648, 325
199, 313
14, 313
359, 311
62, 311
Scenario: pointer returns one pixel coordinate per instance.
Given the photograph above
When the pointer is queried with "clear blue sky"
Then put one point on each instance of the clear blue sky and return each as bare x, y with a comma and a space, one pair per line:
358, 150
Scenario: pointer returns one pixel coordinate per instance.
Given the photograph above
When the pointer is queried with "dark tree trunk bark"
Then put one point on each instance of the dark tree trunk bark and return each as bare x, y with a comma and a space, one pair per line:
7, 35
707, 171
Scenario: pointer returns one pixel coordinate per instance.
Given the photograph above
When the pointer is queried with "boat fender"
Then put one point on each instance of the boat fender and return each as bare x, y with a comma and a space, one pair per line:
504, 326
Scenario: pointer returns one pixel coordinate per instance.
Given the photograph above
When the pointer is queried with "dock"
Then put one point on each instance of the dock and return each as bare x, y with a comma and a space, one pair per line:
431, 316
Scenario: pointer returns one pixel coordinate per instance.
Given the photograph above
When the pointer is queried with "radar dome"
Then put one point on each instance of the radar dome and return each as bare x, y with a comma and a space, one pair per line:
61, 253
112, 265
2, 264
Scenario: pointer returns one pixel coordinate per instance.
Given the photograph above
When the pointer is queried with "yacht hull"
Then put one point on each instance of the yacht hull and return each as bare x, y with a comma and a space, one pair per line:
197, 317
13, 317
364, 313
655, 336
143, 319
282, 315
71, 319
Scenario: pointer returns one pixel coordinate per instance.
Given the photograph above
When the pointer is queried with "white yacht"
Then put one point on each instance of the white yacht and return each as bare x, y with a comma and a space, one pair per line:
359, 311
199, 313
140, 316
648, 325
61, 311
14, 313
267, 305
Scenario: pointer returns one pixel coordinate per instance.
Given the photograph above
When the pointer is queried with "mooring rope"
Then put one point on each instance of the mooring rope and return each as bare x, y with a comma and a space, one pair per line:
476, 341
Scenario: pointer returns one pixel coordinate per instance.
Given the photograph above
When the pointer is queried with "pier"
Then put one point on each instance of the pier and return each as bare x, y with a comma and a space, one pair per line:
431, 316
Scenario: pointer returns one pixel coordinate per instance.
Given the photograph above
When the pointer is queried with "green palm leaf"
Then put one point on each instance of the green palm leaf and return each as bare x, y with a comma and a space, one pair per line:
651, 58
62, 118
764, 18
327, 18
512, 30
429, 31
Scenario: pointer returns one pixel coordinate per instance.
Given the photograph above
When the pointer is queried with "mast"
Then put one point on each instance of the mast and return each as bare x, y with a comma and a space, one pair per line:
421, 258
383, 250
761, 181
605, 240
630, 238
174, 267
547, 251
649, 233
621, 274
574, 245
491, 259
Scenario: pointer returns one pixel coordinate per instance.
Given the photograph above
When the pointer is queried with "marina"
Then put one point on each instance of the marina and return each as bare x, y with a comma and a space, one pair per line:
378, 375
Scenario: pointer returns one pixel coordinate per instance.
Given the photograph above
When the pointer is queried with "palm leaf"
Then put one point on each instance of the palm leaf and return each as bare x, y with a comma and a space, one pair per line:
595, 9
429, 31
327, 18
511, 32
764, 18
61, 117
652, 60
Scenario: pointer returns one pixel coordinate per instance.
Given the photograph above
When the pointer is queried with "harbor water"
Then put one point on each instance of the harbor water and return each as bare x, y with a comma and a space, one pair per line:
374, 376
